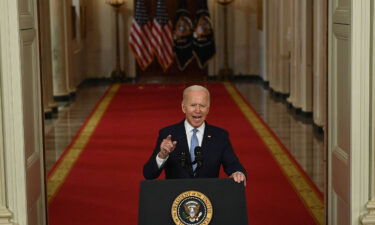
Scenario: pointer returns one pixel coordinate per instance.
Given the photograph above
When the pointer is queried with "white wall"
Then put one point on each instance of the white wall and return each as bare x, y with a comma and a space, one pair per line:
100, 42
243, 37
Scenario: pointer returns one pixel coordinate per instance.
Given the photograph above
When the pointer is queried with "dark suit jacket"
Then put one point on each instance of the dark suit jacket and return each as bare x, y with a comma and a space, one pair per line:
216, 151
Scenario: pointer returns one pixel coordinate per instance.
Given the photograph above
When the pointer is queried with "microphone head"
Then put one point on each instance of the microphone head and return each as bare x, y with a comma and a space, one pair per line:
198, 151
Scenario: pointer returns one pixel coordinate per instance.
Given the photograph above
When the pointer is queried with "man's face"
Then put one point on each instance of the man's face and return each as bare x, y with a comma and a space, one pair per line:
196, 107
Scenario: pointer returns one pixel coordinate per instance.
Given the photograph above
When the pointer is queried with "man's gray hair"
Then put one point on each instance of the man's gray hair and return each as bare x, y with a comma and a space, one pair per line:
195, 88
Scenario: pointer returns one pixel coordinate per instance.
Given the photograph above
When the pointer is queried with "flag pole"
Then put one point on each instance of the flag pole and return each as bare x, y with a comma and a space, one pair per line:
117, 75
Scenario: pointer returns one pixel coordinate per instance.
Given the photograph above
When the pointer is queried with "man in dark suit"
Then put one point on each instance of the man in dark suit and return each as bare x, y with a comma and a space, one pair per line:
194, 148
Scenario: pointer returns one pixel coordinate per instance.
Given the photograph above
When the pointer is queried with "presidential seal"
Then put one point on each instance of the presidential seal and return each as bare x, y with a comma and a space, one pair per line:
192, 208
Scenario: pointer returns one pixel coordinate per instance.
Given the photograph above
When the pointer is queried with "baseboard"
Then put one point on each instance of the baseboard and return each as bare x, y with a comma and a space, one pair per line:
62, 98
318, 131
94, 81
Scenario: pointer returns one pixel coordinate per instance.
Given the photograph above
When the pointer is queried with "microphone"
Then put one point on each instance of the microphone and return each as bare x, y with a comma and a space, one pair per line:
198, 156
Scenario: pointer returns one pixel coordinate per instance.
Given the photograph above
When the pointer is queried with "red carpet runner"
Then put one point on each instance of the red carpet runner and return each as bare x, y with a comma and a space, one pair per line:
96, 181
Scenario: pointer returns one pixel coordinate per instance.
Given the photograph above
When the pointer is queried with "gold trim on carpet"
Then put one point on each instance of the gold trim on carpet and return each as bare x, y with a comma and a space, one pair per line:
309, 197
58, 176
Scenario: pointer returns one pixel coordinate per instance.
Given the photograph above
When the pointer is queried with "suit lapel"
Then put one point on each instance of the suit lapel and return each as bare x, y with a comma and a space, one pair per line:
182, 134
206, 138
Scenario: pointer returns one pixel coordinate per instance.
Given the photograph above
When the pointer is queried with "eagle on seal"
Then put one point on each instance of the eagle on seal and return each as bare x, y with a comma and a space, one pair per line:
192, 210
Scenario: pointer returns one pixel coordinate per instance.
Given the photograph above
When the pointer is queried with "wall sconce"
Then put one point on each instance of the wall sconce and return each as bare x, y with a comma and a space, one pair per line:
224, 2
115, 3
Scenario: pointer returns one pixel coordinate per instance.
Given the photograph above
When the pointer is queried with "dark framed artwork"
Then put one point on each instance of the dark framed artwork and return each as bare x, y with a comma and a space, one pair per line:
74, 22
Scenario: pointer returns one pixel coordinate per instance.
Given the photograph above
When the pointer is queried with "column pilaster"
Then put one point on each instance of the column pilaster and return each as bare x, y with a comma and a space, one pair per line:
369, 217
49, 105
58, 45
272, 43
268, 30
70, 71
275, 82
283, 59
305, 87
262, 37
295, 54
320, 61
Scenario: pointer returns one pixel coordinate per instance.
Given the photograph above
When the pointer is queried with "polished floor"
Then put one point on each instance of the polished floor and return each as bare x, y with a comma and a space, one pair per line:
294, 130
60, 130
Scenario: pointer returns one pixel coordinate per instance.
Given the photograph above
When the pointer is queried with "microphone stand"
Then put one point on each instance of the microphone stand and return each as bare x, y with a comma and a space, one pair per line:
198, 159
183, 159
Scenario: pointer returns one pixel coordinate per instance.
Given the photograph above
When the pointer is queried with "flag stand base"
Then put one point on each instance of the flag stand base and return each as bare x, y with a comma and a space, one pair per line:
118, 76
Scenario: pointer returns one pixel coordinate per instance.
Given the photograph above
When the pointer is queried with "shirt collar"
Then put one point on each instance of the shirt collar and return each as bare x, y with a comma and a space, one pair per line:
189, 128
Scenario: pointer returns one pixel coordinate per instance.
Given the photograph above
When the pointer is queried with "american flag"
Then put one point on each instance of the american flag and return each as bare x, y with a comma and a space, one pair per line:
141, 36
162, 41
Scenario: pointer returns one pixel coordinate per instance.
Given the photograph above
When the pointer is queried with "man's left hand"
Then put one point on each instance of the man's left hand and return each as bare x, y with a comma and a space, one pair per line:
239, 177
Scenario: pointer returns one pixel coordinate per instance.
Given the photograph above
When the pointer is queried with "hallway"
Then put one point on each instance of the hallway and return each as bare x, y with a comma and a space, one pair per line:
318, 53
294, 131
